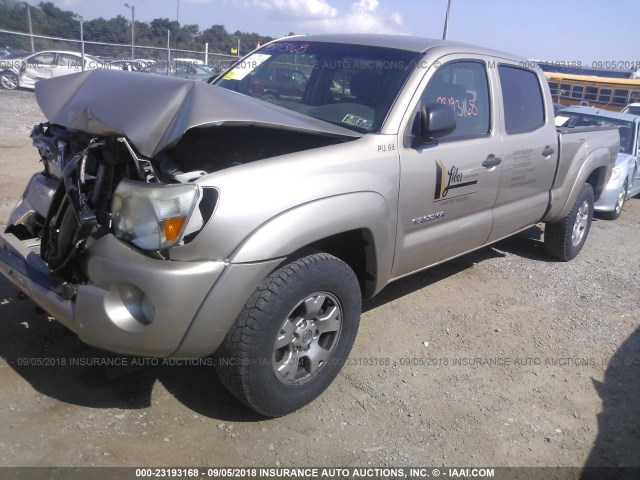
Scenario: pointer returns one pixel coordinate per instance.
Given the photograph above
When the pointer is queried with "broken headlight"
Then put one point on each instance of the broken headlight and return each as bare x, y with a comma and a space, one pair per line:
153, 217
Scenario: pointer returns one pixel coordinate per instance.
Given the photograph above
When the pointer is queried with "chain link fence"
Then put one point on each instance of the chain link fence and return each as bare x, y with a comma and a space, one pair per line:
107, 53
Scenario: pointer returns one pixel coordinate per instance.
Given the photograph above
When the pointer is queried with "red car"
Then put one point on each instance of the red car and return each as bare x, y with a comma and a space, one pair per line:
277, 82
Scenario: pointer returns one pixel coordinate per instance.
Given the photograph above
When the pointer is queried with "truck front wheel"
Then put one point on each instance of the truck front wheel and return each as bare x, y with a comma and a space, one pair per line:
564, 239
293, 335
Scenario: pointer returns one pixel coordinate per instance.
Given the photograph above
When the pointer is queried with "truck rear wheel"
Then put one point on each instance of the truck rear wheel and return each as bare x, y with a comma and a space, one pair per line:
293, 336
564, 239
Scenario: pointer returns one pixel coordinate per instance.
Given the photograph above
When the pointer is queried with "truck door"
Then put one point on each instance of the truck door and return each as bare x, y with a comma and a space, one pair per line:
448, 186
530, 153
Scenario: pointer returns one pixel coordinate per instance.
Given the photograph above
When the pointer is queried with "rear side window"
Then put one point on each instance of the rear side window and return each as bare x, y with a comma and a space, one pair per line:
70, 61
522, 100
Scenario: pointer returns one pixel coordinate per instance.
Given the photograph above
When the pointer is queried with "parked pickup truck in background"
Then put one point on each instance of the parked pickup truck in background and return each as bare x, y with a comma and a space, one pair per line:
625, 179
185, 219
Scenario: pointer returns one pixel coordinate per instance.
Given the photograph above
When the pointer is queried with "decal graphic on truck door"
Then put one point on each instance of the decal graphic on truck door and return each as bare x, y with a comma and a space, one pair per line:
449, 179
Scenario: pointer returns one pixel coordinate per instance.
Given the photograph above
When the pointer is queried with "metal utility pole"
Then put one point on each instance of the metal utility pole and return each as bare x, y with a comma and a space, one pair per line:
446, 20
168, 52
133, 28
81, 20
30, 26
178, 12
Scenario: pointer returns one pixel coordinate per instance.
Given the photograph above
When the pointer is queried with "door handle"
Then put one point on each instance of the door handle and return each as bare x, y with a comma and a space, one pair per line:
548, 151
491, 161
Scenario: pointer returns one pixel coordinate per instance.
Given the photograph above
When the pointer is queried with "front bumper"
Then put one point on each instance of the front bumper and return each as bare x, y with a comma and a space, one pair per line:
609, 197
132, 304
135, 304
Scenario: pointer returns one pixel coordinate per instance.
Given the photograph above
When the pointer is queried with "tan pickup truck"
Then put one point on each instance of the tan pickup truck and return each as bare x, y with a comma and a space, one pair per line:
247, 218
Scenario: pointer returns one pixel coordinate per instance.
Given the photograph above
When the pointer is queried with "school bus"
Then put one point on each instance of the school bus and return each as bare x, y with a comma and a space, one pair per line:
603, 92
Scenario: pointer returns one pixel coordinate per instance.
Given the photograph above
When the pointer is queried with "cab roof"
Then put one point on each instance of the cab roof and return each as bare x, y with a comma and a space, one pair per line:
402, 42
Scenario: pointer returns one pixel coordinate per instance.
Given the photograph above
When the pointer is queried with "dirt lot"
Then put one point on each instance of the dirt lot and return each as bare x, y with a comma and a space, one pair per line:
499, 358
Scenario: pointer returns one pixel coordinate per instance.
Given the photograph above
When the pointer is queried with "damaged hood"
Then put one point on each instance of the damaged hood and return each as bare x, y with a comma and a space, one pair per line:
155, 111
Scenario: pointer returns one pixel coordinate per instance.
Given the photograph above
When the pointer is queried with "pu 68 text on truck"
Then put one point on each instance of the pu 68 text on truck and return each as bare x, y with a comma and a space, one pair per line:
185, 219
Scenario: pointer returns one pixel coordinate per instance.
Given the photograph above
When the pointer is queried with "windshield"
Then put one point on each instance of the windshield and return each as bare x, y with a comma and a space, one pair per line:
353, 86
585, 120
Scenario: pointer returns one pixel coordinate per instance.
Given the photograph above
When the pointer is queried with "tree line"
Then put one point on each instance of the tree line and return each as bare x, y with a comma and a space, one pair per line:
49, 20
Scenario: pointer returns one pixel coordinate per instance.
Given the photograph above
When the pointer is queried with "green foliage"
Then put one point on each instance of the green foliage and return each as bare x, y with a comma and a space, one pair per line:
13, 15
49, 20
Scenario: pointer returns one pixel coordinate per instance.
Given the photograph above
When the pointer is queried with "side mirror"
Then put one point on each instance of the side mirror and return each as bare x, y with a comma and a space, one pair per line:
435, 120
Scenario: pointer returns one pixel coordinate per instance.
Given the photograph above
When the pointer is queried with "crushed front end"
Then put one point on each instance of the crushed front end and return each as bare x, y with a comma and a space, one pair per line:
61, 244
101, 238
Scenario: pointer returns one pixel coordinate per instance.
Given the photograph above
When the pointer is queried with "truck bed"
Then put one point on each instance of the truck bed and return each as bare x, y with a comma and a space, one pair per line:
579, 149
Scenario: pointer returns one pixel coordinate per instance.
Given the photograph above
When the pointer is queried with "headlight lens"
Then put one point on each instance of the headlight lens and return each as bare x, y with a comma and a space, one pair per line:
152, 217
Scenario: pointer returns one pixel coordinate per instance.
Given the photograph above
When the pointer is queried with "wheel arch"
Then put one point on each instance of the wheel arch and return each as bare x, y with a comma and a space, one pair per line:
362, 217
595, 170
358, 228
598, 180
357, 249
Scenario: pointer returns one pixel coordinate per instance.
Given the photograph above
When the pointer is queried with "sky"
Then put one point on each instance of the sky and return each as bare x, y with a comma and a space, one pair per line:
585, 31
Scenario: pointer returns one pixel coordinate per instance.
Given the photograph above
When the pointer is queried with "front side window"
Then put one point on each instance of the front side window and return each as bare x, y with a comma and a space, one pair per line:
463, 86
46, 58
522, 100
353, 86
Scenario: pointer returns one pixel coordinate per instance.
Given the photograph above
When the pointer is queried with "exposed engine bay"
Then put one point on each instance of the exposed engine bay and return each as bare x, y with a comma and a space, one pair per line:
88, 169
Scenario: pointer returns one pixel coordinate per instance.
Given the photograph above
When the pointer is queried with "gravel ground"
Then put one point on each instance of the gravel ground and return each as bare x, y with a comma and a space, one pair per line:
499, 358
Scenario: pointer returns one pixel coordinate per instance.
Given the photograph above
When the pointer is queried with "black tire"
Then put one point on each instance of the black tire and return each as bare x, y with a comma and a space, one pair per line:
269, 97
615, 213
287, 309
564, 239
9, 80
